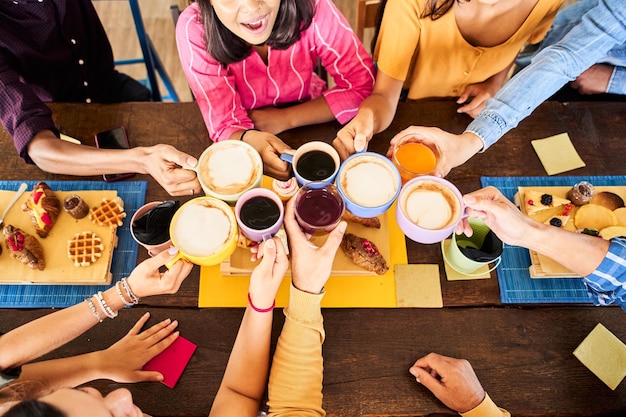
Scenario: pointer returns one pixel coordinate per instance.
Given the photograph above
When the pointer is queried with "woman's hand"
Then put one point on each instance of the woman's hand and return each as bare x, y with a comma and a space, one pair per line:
146, 279
270, 147
310, 265
455, 149
269, 273
122, 362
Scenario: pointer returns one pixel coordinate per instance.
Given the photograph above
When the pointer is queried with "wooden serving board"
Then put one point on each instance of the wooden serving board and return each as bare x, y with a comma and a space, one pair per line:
542, 266
59, 268
239, 263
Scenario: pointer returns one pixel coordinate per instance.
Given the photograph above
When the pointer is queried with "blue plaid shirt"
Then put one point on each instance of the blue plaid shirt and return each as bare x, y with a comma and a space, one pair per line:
607, 284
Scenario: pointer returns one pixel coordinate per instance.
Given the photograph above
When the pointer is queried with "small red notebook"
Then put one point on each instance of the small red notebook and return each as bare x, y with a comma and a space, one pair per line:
172, 361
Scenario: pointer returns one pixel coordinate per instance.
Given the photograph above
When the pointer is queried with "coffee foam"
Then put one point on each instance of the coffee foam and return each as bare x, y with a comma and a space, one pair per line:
368, 182
229, 169
201, 230
431, 205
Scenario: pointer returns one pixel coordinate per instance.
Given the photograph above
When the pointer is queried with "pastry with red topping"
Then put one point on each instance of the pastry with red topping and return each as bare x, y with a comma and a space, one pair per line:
43, 207
561, 219
535, 201
364, 253
24, 247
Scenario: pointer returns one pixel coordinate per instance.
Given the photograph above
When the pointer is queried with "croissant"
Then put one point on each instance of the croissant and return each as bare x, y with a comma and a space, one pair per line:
43, 206
24, 247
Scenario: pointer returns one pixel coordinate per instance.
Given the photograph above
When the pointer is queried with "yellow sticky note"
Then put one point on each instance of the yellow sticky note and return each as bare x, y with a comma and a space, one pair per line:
604, 354
452, 275
418, 286
557, 154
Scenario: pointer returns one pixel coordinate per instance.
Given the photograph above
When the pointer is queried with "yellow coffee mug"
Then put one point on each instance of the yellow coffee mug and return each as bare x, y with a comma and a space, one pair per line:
204, 237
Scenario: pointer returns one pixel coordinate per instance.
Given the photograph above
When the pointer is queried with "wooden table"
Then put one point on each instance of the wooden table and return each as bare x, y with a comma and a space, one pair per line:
522, 354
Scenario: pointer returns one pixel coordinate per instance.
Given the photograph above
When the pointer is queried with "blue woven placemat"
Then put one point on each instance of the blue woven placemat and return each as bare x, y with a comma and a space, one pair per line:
124, 257
516, 286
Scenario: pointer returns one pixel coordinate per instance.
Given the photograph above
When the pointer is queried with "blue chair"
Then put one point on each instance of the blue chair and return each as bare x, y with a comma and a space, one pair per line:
150, 59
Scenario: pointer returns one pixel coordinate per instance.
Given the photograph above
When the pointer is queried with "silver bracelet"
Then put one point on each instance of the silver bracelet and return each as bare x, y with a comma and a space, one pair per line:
118, 288
103, 305
93, 309
130, 293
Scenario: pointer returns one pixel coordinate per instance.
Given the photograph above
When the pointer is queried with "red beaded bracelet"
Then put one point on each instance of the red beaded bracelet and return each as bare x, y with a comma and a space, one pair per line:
261, 310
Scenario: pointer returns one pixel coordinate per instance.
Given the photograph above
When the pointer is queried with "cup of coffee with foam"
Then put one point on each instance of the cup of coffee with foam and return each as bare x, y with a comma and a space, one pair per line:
428, 209
318, 207
314, 161
369, 184
259, 214
229, 168
204, 230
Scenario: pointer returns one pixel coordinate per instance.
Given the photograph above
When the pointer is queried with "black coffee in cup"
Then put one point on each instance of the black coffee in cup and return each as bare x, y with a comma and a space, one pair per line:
315, 165
259, 213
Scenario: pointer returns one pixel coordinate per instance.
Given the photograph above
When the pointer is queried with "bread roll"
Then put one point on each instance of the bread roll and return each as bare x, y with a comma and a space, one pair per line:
607, 199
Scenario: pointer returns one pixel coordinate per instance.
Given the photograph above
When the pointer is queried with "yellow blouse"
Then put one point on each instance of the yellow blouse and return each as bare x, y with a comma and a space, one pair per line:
432, 57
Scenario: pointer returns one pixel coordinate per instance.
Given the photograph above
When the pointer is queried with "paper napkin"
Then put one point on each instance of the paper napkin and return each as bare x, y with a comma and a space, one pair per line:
604, 354
418, 286
557, 154
172, 361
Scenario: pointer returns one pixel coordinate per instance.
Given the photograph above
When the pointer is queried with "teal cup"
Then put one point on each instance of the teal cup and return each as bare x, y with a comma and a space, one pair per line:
467, 254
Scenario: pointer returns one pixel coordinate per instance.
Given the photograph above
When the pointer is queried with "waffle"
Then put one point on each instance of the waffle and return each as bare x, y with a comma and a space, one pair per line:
84, 248
108, 213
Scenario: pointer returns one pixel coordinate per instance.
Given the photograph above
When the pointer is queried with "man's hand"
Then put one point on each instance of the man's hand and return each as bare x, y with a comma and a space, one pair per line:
595, 80
167, 166
453, 381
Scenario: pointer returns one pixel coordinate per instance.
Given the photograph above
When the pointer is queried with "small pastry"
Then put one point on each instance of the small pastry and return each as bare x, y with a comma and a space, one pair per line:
364, 253
285, 189
84, 248
607, 199
373, 222
561, 219
108, 213
24, 247
43, 207
535, 201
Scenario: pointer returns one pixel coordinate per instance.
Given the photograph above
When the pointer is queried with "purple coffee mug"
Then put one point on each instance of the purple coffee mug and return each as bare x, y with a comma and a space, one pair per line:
259, 213
429, 208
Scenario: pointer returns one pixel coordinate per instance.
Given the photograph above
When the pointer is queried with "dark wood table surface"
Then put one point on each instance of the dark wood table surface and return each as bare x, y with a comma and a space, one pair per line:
521, 353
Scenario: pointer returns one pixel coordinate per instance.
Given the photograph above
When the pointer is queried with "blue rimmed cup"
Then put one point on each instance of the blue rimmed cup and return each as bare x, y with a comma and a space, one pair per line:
369, 183
314, 161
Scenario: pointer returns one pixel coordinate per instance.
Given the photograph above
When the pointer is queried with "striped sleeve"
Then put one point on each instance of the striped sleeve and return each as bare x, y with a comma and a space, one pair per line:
607, 284
344, 58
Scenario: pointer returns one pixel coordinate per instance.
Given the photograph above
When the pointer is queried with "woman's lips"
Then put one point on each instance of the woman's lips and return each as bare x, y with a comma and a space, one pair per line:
256, 25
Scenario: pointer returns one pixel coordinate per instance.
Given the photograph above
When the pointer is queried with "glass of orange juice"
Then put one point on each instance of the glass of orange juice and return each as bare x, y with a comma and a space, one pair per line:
413, 156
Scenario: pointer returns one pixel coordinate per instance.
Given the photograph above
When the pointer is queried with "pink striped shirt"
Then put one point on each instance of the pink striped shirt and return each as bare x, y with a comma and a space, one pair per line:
224, 95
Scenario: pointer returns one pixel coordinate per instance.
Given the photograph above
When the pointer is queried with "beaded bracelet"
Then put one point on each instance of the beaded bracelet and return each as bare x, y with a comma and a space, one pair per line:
246, 131
118, 288
93, 309
131, 295
103, 305
261, 310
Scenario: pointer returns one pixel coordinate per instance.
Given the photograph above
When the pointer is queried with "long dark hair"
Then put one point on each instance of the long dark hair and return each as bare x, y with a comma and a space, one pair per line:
294, 16
33, 408
437, 8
